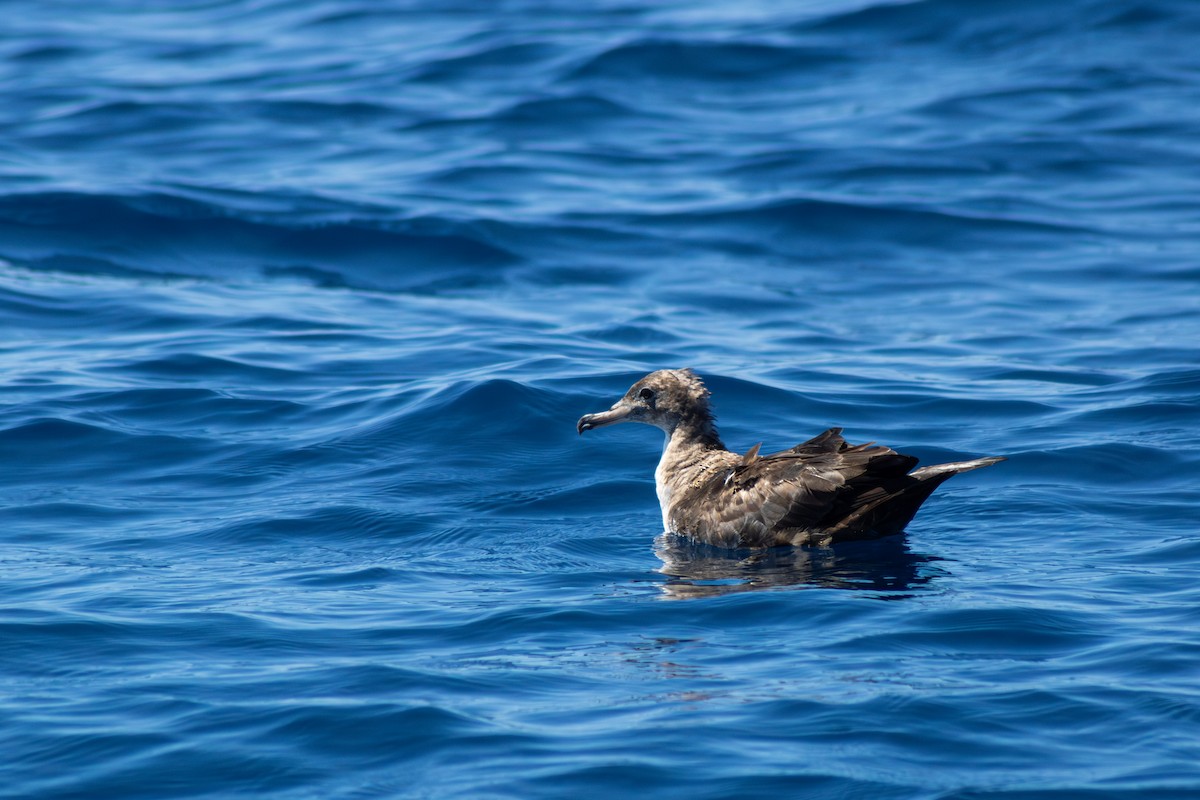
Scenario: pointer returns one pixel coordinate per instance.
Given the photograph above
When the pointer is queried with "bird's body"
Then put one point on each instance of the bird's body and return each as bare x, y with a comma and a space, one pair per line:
817, 493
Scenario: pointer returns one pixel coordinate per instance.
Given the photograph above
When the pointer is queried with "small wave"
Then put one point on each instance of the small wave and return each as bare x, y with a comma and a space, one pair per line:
488, 63
62, 448
169, 234
989, 25
329, 524
570, 110
701, 61
997, 632
1117, 464
793, 224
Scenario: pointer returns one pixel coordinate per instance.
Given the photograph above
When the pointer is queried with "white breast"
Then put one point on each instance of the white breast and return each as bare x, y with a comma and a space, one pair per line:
661, 486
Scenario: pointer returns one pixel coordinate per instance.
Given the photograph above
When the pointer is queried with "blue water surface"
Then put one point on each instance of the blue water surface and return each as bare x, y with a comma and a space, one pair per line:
301, 301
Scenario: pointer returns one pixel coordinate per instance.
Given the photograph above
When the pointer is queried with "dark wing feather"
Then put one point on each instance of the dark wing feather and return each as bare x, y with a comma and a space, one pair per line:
830, 441
814, 485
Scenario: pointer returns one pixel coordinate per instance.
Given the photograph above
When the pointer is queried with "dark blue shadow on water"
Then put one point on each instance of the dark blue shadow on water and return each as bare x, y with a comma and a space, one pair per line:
885, 566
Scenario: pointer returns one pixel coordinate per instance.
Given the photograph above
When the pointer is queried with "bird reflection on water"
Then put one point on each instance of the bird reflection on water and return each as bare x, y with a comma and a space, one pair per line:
886, 566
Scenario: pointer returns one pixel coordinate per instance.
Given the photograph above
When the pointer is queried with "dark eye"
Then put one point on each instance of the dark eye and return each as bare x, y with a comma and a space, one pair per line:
647, 395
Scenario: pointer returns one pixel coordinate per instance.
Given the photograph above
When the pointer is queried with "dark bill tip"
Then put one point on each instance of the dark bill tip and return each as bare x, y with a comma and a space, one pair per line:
614, 415
585, 423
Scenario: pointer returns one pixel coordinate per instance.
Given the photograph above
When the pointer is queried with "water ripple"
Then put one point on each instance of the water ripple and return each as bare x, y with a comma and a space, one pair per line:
301, 302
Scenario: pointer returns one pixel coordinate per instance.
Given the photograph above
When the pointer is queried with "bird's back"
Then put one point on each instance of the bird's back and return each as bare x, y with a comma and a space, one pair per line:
818, 492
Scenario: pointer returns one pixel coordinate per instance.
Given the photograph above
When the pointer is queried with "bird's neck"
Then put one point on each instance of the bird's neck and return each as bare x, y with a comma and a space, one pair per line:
697, 431
688, 443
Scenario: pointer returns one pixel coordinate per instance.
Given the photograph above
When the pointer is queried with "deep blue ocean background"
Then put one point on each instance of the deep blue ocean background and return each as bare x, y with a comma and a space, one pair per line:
301, 301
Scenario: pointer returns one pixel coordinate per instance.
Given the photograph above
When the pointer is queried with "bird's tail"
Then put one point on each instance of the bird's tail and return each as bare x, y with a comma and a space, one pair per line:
892, 510
954, 467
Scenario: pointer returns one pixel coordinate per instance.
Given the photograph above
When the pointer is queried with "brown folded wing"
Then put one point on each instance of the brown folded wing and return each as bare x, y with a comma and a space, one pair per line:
817, 490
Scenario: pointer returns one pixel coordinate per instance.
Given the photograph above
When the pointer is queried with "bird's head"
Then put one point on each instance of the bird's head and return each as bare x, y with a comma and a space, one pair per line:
664, 399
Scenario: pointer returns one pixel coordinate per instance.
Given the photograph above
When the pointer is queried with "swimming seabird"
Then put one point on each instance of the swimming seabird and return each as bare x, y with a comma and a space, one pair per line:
820, 492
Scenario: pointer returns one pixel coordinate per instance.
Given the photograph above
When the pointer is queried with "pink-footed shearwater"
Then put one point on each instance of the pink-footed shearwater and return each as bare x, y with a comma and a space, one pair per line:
819, 492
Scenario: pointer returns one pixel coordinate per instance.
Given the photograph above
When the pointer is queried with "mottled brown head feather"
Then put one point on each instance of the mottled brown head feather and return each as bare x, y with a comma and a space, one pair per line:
669, 398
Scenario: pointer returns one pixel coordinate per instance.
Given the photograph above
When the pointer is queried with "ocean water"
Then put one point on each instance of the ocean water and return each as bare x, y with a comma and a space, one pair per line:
301, 301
